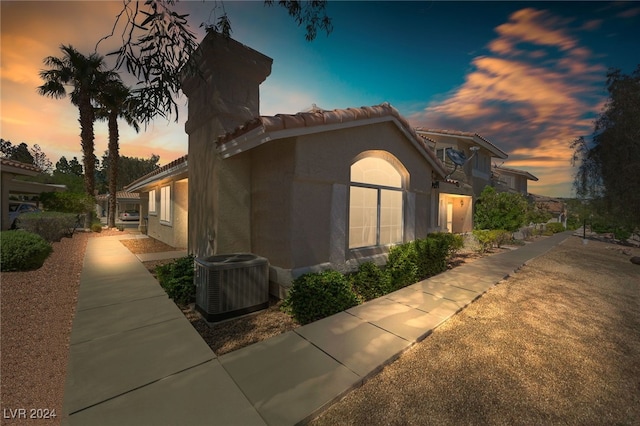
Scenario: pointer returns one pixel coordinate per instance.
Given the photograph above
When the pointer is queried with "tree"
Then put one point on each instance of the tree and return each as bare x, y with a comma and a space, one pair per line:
72, 167
500, 210
130, 168
157, 43
608, 166
116, 102
40, 159
86, 75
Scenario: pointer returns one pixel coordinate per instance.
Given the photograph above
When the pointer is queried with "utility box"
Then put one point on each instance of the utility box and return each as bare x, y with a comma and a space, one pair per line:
231, 285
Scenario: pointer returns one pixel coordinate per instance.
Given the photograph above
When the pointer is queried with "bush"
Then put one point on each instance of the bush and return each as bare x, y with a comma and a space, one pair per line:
555, 227
370, 281
22, 251
96, 227
489, 238
316, 296
454, 242
51, 226
402, 265
67, 202
500, 210
176, 279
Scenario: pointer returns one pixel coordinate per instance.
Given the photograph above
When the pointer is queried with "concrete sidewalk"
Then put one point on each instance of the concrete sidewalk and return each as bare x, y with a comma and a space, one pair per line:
135, 359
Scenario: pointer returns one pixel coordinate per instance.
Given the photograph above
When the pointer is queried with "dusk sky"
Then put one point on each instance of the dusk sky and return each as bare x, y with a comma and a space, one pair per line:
528, 76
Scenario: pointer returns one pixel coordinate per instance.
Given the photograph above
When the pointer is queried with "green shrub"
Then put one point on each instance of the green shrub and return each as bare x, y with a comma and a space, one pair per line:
555, 227
176, 279
316, 296
454, 242
402, 265
67, 202
51, 226
370, 281
96, 227
500, 210
431, 257
22, 251
489, 238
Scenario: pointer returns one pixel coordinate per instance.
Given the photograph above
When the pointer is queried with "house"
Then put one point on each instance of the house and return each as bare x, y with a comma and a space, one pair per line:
511, 180
308, 191
164, 198
9, 170
465, 183
124, 201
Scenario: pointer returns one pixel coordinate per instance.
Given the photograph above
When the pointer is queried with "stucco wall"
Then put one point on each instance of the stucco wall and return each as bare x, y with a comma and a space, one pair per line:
271, 201
320, 189
175, 233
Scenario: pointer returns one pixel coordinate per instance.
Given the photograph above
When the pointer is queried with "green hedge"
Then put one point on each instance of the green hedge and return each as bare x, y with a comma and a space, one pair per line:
51, 226
315, 296
489, 238
555, 227
319, 295
370, 281
22, 251
176, 279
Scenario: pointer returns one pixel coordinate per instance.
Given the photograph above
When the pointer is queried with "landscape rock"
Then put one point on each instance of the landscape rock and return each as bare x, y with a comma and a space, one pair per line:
636, 260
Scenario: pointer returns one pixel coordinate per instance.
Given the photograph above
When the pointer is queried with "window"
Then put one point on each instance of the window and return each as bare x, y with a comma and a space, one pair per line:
165, 204
375, 206
152, 202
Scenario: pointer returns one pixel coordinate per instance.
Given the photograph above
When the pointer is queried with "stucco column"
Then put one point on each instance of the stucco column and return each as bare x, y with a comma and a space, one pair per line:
338, 225
223, 95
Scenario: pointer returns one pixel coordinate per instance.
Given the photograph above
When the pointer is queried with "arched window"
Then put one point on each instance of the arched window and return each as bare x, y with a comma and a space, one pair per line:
375, 206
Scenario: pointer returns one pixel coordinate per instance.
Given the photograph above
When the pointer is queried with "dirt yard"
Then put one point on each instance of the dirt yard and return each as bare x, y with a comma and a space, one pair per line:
557, 343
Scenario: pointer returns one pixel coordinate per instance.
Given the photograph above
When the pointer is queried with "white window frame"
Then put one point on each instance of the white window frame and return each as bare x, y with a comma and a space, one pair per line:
165, 205
153, 207
380, 189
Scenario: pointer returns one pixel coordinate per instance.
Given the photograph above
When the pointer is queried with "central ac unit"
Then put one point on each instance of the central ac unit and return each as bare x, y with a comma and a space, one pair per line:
230, 285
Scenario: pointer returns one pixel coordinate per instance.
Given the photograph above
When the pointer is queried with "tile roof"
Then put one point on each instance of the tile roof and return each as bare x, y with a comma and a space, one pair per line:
317, 117
119, 195
182, 161
5, 162
461, 133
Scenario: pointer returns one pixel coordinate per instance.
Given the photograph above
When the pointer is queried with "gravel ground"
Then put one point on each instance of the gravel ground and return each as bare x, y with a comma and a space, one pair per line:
557, 343
36, 313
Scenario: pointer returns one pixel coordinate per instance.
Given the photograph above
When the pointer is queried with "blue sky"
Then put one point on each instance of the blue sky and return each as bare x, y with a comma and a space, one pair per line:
528, 76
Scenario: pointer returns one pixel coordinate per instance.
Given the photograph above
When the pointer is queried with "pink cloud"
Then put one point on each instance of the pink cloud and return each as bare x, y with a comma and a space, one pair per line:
531, 103
534, 26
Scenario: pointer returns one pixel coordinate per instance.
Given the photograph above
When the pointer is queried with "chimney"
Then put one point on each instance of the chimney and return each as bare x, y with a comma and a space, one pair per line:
224, 90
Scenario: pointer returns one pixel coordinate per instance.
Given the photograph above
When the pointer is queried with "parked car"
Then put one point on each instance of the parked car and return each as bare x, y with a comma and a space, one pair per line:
130, 215
16, 208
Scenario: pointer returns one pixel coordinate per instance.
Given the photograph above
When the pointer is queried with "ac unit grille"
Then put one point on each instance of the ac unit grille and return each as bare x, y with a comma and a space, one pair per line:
231, 285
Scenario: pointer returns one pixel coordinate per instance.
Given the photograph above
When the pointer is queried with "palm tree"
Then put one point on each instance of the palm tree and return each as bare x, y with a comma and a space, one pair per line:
85, 74
116, 101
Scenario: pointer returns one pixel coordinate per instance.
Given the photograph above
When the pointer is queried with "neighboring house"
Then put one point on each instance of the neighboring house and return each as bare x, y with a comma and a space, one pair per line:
9, 169
511, 180
125, 201
458, 193
556, 207
164, 198
309, 191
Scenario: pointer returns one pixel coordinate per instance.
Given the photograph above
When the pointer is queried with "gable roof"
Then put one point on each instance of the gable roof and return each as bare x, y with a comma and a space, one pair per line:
172, 169
497, 152
515, 172
268, 128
